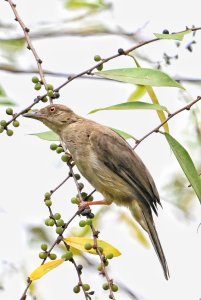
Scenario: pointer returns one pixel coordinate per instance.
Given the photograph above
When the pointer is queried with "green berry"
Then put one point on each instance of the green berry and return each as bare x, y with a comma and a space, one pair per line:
35, 79
1, 129
77, 176
9, 111
57, 216
97, 58
76, 289
65, 158
37, 86
44, 99
3, 123
50, 93
89, 222
114, 288
88, 246
44, 247
49, 87
43, 255
9, 132
16, 123
59, 150
51, 222
47, 222
52, 256
75, 200
82, 223
106, 262
60, 223
90, 199
100, 268
68, 255
86, 287
84, 195
105, 286
47, 196
110, 256
100, 67
59, 230
53, 147
48, 203
80, 186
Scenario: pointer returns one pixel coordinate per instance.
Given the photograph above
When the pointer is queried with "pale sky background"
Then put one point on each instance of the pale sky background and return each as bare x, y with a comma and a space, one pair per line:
29, 168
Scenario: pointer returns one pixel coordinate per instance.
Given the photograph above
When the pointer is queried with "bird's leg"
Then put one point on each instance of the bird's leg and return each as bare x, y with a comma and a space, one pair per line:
84, 204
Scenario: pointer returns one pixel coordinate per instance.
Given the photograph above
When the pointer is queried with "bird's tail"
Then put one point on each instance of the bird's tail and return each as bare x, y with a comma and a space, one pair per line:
143, 215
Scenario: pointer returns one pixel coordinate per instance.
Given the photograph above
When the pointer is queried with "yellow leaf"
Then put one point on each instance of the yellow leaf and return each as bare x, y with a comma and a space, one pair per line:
79, 243
43, 269
137, 94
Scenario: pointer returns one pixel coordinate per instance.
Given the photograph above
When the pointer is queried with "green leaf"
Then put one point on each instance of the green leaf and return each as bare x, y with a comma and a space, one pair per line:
47, 135
45, 268
84, 4
131, 105
142, 76
173, 36
186, 164
5, 101
13, 45
79, 243
137, 94
123, 134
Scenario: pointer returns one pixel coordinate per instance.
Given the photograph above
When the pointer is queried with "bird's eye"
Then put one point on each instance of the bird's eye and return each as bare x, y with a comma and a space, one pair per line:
52, 109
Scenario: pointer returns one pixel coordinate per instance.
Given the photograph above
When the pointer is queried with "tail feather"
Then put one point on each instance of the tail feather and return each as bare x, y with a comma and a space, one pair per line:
144, 217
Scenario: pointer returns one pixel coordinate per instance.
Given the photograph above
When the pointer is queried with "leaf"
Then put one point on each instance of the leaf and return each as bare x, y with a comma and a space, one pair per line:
123, 134
13, 45
84, 4
142, 76
137, 94
79, 243
186, 164
5, 101
131, 105
47, 135
44, 269
173, 36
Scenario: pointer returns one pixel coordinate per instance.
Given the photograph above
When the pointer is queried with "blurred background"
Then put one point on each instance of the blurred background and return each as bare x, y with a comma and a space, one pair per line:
67, 35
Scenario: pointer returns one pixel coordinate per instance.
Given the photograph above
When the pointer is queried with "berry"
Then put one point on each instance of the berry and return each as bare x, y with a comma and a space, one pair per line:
52, 256
9, 132
59, 230
16, 123
35, 79
49, 87
44, 99
89, 222
9, 111
59, 150
57, 216
44, 247
100, 67
90, 215
65, 158
75, 200
37, 86
80, 186
42, 255
97, 58
100, 268
3, 123
165, 31
110, 256
77, 176
48, 203
53, 147
50, 93
88, 246
1, 129
47, 195
121, 51
68, 255
51, 222
105, 286
86, 287
82, 223
76, 289
114, 288
60, 222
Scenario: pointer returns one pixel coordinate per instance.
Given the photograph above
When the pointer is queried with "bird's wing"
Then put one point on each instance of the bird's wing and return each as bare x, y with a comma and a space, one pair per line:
118, 156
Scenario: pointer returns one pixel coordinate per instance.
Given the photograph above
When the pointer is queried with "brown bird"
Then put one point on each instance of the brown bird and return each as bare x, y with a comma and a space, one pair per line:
109, 163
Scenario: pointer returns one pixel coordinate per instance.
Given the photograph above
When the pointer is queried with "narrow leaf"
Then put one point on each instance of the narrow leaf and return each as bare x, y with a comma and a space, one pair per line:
83, 4
142, 76
44, 269
137, 94
123, 134
79, 243
186, 164
131, 105
5, 101
173, 36
47, 135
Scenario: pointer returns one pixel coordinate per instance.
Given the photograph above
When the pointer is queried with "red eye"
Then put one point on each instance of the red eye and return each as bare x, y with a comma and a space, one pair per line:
52, 109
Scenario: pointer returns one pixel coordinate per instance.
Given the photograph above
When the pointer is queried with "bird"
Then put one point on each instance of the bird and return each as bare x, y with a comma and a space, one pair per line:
110, 165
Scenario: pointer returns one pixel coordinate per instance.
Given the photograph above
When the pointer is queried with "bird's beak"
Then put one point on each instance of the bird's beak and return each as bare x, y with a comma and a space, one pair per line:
33, 115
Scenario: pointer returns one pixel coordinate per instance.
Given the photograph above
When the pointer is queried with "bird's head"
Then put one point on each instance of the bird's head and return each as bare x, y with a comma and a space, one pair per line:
54, 116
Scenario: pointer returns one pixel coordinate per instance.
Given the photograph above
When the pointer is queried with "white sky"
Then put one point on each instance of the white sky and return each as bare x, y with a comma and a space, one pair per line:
29, 169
